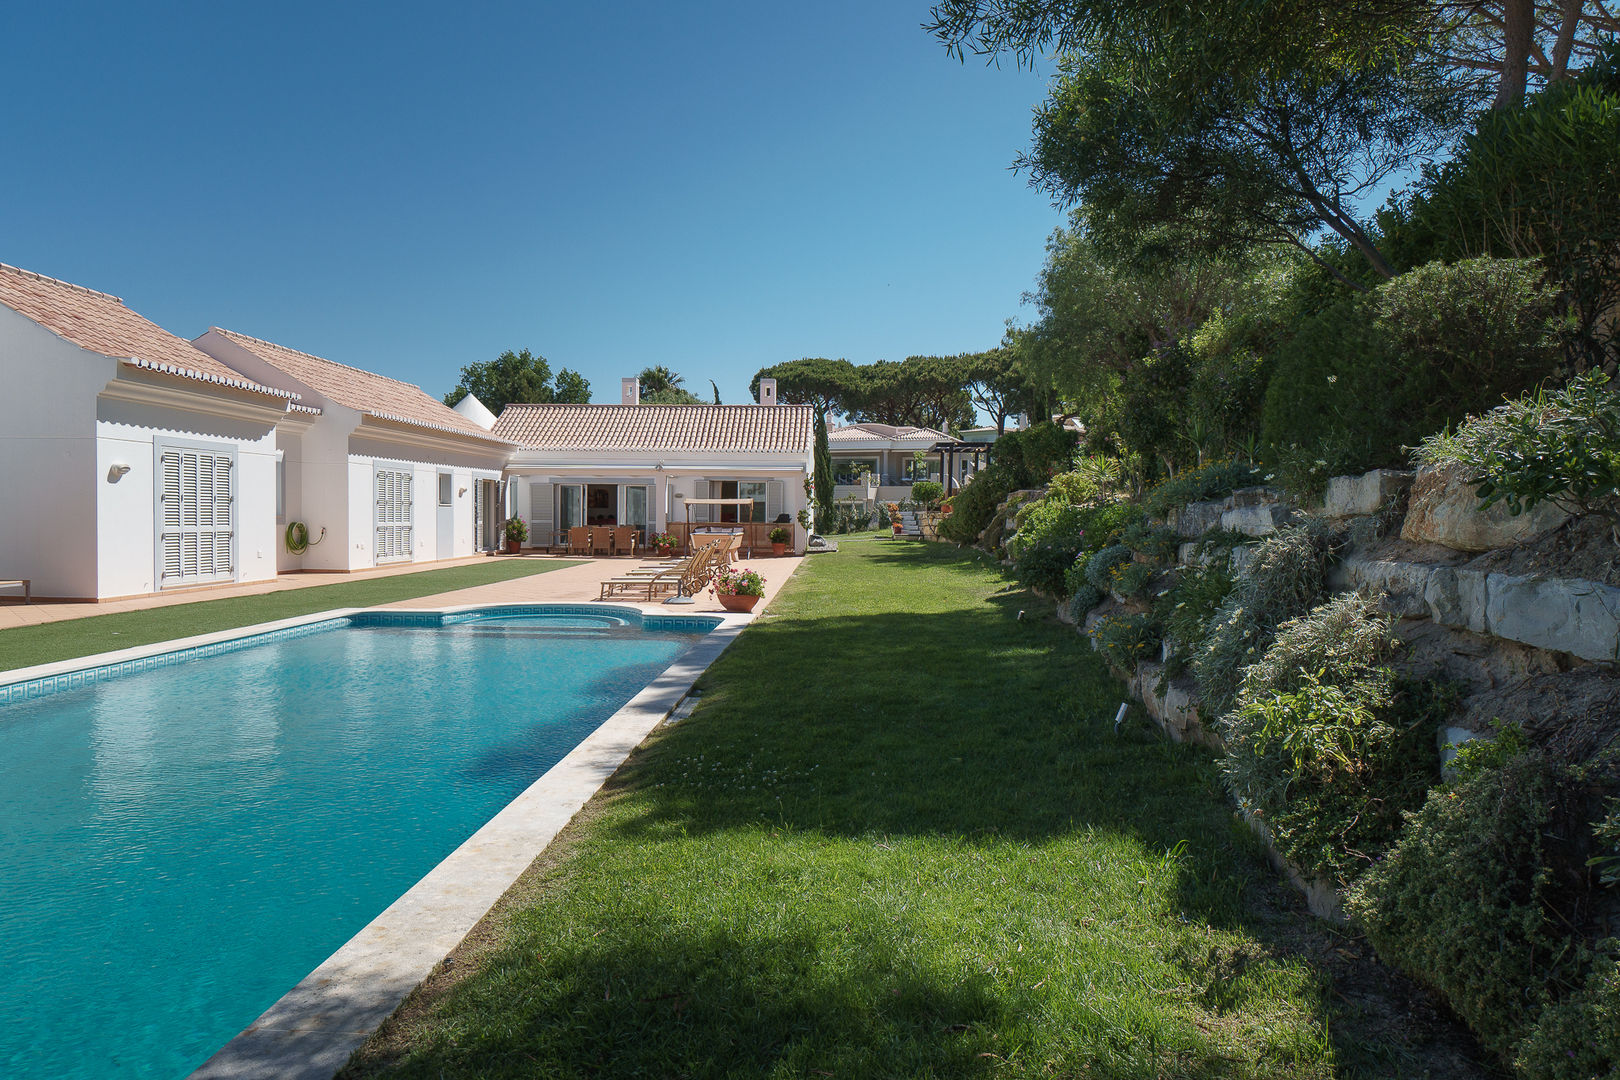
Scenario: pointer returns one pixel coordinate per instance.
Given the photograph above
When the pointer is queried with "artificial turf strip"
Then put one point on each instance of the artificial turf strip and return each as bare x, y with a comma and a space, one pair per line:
899, 837
24, 646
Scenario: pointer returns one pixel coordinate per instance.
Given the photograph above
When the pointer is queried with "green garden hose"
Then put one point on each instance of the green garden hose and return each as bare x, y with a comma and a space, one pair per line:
298, 540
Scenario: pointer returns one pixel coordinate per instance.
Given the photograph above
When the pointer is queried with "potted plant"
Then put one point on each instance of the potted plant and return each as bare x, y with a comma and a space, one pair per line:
663, 543
779, 540
738, 589
517, 531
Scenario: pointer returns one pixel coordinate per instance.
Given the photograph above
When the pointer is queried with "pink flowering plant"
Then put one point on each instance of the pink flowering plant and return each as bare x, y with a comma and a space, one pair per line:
663, 541
738, 581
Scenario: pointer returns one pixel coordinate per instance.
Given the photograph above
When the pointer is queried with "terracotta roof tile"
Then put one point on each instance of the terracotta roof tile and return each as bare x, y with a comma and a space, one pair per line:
100, 323
867, 433
364, 391
742, 429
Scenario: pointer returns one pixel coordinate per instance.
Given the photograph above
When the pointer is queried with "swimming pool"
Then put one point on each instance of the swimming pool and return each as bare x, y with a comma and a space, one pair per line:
184, 837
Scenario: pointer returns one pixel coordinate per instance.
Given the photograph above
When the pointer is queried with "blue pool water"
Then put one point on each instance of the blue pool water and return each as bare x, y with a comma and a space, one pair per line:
179, 846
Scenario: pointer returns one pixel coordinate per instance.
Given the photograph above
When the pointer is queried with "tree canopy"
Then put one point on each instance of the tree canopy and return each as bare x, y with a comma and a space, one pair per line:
519, 378
661, 386
920, 391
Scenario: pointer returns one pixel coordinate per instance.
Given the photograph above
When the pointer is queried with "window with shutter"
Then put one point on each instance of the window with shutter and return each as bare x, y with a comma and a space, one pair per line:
196, 541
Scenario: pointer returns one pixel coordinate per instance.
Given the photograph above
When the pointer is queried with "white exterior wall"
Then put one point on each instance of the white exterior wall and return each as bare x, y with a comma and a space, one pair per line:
126, 557
48, 481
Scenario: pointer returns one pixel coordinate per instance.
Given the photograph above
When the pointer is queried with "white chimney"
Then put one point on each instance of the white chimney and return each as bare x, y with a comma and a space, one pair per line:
475, 410
767, 391
630, 391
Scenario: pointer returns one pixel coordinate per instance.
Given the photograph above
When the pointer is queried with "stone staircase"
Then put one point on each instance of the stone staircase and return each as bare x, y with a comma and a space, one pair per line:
908, 523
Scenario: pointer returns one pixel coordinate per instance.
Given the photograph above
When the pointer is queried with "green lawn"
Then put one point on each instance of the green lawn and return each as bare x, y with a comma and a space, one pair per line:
900, 838
25, 646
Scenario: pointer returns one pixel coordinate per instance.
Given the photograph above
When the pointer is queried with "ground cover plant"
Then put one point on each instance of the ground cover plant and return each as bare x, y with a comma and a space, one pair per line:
900, 837
25, 646
1489, 898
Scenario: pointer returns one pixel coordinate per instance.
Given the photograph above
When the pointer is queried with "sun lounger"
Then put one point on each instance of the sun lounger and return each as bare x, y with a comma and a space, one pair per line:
688, 576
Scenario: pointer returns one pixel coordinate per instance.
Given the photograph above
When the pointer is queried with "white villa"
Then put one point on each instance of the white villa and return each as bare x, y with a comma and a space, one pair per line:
660, 468
377, 471
133, 460
137, 461
877, 462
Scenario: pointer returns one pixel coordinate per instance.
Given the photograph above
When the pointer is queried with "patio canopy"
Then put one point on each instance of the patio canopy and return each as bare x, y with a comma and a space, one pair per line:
947, 451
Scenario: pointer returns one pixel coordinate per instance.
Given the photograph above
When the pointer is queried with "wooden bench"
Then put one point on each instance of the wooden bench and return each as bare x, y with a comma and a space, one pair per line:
26, 584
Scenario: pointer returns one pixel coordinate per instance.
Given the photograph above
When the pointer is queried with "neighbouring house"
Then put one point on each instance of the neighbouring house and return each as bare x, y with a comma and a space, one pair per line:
376, 470
660, 468
886, 454
134, 461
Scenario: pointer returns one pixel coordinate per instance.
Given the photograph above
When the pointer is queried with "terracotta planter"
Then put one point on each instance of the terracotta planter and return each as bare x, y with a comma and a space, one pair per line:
778, 549
513, 547
737, 601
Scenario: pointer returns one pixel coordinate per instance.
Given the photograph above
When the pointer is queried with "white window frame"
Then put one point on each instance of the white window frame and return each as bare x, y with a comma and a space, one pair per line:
212, 545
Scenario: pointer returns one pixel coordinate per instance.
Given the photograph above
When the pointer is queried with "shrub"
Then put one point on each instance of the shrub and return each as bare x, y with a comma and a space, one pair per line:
1561, 447
1577, 1037
1074, 578
1075, 488
976, 504
1082, 599
1154, 418
1100, 567
1283, 580
927, 492
1124, 640
1210, 481
1033, 456
1191, 602
1540, 181
1105, 523
1229, 375
1324, 746
1483, 899
1371, 374
1129, 579
1050, 535
1154, 541
1481, 328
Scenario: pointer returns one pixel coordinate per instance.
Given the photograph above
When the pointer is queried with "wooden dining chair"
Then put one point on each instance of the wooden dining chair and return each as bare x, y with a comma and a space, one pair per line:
579, 540
624, 540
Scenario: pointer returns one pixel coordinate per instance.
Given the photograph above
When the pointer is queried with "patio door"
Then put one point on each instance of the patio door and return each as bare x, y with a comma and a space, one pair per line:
394, 509
633, 500
570, 507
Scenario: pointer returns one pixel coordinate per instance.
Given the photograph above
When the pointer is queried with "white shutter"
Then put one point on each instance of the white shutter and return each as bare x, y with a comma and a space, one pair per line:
195, 538
699, 513
773, 499
540, 515
393, 515
480, 512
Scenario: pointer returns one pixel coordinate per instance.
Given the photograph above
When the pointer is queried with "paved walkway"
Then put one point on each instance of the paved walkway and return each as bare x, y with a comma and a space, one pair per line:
573, 584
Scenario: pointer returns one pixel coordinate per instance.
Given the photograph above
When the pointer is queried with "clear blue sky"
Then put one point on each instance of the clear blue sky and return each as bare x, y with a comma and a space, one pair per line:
413, 187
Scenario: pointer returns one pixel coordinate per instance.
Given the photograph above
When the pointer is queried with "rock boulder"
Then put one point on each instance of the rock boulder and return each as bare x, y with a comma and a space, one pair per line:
1445, 510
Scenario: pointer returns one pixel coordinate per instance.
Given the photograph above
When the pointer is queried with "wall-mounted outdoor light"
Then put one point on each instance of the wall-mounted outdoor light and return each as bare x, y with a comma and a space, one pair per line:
116, 473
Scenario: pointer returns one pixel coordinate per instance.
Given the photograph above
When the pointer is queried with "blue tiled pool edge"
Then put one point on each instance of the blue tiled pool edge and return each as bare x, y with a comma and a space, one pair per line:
28, 688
